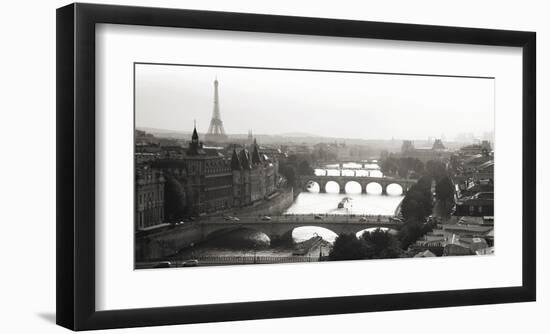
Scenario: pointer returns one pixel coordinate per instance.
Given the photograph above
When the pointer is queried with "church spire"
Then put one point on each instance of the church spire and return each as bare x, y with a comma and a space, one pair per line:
194, 145
195, 136
256, 159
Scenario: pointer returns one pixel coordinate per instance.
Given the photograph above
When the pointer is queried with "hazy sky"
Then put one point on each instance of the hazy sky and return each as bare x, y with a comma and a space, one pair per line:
366, 106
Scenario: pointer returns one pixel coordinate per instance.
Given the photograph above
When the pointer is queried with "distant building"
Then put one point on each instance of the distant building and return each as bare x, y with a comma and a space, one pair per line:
477, 207
149, 197
485, 171
438, 145
438, 151
475, 149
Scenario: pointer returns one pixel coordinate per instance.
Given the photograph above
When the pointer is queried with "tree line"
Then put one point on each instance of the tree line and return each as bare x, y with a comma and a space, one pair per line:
294, 167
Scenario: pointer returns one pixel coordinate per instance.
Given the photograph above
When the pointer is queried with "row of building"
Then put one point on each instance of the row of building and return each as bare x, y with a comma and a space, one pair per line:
176, 182
470, 230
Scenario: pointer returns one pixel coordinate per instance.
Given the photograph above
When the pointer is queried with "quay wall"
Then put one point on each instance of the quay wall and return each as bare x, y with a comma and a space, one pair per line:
274, 207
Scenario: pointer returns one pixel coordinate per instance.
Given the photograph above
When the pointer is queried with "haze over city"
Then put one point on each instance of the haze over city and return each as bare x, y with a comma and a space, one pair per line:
339, 105
246, 166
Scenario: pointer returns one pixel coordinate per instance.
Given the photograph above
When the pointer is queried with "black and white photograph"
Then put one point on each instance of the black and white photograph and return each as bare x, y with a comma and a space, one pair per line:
245, 165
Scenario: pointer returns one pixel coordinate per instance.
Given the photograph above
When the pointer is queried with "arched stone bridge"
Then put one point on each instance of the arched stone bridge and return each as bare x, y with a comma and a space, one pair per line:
279, 226
363, 164
384, 182
168, 241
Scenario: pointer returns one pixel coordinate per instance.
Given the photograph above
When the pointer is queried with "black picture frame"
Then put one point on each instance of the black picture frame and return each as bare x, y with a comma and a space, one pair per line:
75, 250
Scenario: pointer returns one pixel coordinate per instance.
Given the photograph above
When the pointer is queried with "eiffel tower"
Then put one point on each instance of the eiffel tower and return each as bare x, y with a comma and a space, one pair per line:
216, 133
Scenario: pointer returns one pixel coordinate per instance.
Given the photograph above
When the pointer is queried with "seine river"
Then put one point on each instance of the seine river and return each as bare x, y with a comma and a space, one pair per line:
371, 203
313, 202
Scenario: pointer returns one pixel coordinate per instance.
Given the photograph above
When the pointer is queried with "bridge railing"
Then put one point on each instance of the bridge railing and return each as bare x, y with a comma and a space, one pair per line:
307, 218
210, 260
335, 215
385, 179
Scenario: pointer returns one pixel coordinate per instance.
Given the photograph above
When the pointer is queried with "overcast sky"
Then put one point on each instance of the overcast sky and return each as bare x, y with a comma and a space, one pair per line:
365, 106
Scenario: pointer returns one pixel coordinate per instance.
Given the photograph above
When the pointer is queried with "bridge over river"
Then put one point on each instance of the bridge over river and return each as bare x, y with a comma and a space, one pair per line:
278, 226
338, 164
170, 240
363, 181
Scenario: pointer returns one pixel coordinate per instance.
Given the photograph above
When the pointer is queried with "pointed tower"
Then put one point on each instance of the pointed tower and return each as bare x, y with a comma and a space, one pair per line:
438, 145
216, 132
194, 145
256, 159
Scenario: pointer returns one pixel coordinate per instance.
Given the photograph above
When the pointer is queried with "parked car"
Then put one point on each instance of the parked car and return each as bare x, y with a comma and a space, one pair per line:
266, 218
318, 217
190, 263
163, 264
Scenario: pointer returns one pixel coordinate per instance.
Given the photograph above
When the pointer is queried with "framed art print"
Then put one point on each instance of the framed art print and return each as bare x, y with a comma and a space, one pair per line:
217, 166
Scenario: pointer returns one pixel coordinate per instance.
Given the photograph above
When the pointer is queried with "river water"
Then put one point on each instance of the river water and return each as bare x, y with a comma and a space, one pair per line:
371, 203
313, 202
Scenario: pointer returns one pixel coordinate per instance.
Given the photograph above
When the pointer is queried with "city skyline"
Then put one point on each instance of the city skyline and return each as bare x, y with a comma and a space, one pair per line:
228, 196
281, 102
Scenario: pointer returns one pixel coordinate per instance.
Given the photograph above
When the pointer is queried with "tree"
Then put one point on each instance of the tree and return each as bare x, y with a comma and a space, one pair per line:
381, 244
174, 198
436, 169
289, 172
425, 182
444, 189
417, 204
349, 247
444, 193
412, 231
305, 169
401, 166
388, 166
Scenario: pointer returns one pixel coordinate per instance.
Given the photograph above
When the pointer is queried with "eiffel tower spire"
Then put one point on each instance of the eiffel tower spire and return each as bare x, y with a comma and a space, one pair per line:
216, 131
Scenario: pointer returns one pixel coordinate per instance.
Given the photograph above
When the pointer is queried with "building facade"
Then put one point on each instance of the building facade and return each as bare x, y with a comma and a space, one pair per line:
149, 198
255, 176
204, 181
205, 177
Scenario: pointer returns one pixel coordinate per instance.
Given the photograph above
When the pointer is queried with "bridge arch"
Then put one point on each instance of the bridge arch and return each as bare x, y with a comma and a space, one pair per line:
303, 233
395, 189
374, 188
353, 187
313, 187
332, 186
